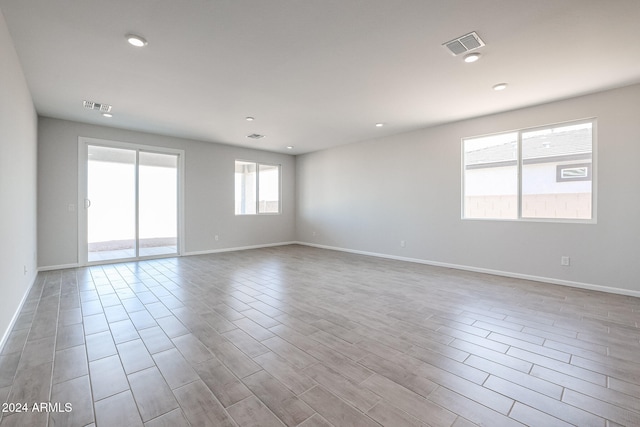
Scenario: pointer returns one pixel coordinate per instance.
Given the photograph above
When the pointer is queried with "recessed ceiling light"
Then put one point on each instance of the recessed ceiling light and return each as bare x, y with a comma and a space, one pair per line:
136, 40
107, 115
472, 57
379, 125
500, 86
289, 147
249, 118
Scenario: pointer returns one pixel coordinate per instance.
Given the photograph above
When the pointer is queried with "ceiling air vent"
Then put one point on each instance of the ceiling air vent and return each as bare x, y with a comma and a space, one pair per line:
90, 105
464, 43
255, 136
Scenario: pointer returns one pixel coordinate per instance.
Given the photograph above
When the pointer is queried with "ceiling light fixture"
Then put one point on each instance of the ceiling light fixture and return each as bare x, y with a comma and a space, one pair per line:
472, 57
289, 147
249, 118
500, 86
109, 115
136, 40
379, 125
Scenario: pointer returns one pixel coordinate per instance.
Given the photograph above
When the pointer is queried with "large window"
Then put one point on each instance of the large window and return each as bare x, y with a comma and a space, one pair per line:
257, 188
542, 173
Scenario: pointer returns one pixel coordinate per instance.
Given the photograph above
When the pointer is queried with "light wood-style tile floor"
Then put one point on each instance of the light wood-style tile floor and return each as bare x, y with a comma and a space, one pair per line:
301, 336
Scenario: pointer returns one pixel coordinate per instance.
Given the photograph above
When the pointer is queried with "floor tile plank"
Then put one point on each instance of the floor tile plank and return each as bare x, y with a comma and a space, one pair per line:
471, 410
551, 406
118, 410
409, 402
389, 416
342, 387
251, 412
77, 394
334, 409
134, 356
291, 353
174, 418
293, 379
175, 369
227, 388
603, 409
282, 402
531, 417
107, 377
151, 393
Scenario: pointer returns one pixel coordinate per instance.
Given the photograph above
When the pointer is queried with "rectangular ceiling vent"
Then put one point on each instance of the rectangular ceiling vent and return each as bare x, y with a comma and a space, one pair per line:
255, 136
90, 105
464, 43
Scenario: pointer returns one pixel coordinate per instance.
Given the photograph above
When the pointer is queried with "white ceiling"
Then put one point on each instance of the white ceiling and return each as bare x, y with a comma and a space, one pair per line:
313, 73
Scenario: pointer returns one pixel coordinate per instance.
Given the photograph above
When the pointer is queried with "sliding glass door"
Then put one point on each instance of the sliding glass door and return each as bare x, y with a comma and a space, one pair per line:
157, 204
111, 203
132, 202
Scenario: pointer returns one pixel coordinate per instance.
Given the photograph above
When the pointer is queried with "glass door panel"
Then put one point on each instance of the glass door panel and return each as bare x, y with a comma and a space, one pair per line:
111, 203
157, 203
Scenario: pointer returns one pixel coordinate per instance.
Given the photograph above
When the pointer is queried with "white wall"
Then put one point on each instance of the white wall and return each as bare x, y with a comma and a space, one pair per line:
18, 126
209, 192
369, 196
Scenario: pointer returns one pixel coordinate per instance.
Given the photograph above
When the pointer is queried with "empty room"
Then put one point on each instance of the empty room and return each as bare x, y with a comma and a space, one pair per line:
319, 213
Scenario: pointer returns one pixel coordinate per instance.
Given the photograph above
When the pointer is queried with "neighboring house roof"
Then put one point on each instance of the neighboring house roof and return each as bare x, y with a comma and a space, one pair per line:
558, 146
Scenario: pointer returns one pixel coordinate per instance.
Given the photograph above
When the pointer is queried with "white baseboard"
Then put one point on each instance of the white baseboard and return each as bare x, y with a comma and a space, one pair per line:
551, 280
238, 248
5, 334
58, 267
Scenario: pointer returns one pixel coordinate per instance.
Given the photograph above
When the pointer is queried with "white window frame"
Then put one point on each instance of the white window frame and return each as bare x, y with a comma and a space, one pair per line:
258, 164
520, 218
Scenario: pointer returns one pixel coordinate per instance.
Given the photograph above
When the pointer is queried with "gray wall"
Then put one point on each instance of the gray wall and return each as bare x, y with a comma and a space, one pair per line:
18, 125
369, 196
209, 192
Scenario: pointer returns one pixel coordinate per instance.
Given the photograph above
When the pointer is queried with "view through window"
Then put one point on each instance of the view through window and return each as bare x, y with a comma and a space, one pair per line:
257, 188
544, 173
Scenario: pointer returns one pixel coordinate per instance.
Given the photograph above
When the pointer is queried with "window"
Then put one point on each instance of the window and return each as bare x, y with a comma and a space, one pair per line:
257, 188
542, 173
573, 172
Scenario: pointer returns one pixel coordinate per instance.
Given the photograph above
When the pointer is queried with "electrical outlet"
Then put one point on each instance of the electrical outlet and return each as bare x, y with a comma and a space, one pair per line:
403, 243
25, 270
314, 234
565, 261
216, 237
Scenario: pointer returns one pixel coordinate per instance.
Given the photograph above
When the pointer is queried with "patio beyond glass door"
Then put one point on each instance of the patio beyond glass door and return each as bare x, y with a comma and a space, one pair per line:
131, 204
157, 204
